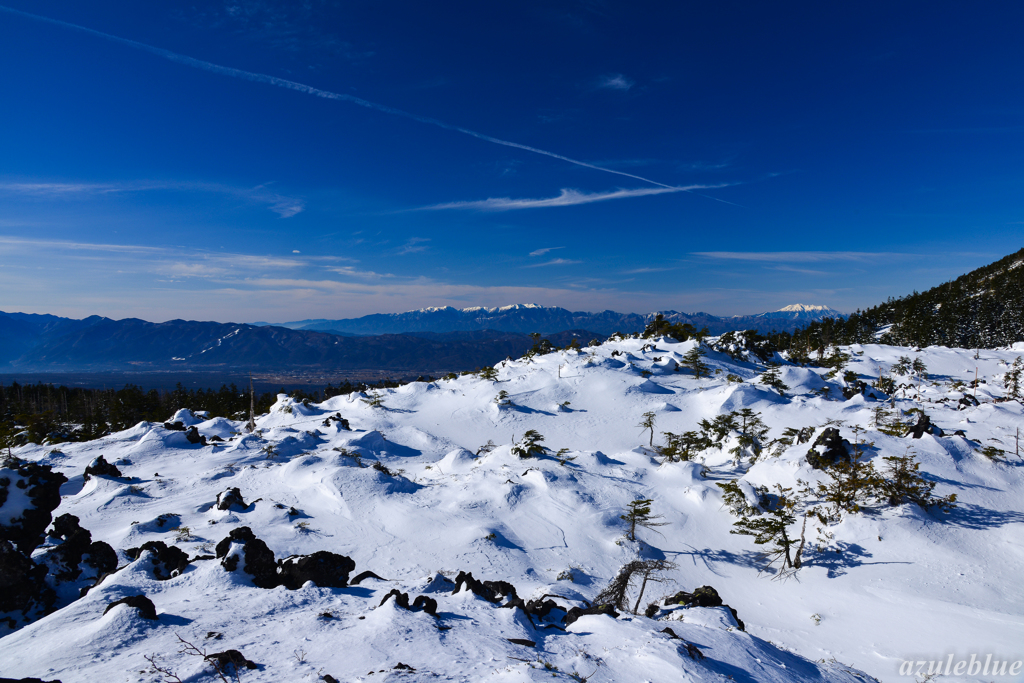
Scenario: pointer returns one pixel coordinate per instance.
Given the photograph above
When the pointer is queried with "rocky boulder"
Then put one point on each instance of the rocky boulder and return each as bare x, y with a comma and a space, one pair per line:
325, 569
29, 492
231, 498
100, 467
242, 549
168, 561
145, 606
828, 449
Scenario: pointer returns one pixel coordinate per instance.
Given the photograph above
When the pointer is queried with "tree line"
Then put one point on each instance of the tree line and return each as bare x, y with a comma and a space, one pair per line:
45, 412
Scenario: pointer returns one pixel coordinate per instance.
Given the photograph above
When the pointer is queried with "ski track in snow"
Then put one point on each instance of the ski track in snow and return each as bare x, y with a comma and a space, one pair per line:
909, 584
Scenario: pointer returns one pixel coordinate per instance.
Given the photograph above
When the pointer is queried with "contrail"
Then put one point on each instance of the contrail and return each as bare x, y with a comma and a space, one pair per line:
310, 90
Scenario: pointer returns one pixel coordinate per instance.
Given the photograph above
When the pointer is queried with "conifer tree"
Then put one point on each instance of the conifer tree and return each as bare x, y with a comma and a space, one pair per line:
693, 359
638, 513
647, 425
771, 378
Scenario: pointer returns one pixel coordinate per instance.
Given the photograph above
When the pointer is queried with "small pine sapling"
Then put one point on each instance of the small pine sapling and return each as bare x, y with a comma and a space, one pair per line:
752, 432
529, 446
374, 400
1012, 379
771, 530
502, 398
564, 457
901, 482
693, 359
683, 447
647, 425
638, 513
771, 378
488, 373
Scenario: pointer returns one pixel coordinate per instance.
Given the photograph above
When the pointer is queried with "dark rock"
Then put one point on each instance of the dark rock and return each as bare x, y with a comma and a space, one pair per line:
967, 401
522, 641
705, 596
193, 436
325, 569
401, 599
328, 678
178, 426
78, 548
216, 439
100, 467
168, 561
42, 488
22, 583
804, 435
232, 659
259, 559
25, 680
833, 447
422, 602
855, 388
492, 591
576, 612
147, 610
230, 497
402, 667
361, 576
924, 426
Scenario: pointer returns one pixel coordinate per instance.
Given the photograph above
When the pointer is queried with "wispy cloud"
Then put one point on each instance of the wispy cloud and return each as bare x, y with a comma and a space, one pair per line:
553, 262
541, 252
798, 256
412, 245
567, 197
282, 205
316, 92
614, 82
637, 271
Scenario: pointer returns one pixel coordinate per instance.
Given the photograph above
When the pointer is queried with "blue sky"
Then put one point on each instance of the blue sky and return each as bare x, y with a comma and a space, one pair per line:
279, 161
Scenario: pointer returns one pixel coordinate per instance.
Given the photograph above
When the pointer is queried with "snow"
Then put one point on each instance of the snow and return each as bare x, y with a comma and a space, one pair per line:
907, 584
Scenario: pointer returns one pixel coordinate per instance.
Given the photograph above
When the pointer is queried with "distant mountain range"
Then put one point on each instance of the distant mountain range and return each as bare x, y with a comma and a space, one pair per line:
430, 341
527, 318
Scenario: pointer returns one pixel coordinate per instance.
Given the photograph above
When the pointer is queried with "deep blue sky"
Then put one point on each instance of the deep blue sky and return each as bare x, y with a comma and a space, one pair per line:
834, 153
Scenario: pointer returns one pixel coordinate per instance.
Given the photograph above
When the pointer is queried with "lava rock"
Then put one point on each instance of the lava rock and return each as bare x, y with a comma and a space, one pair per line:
229, 497
576, 612
100, 467
23, 585
361, 576
178, 426
967, 401
193, 436
924, 426
147, 610
834, 449
30, 515
25, 680
422, 602
232, 659
78, 548
259, 563
705, 596
168, 561
325, 569
492, 591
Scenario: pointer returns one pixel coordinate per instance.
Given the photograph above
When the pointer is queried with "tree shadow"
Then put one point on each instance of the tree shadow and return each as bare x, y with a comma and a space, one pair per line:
708, 557
842, 557
970, 516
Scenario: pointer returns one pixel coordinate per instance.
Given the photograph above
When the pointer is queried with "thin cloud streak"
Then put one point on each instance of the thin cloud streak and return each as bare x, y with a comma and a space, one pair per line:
567, 197
541, 252
614, 82
798, 256
317, 92
554, 262
286, 207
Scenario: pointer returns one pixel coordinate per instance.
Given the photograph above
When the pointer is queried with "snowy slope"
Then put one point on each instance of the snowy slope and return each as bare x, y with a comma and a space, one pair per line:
906, 584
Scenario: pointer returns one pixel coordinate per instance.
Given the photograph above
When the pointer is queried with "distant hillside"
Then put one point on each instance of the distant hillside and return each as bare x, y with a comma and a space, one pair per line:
51, 344
527, 318
982, 309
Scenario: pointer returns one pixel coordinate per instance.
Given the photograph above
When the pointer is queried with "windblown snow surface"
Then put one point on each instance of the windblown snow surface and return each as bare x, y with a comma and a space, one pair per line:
905, 584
